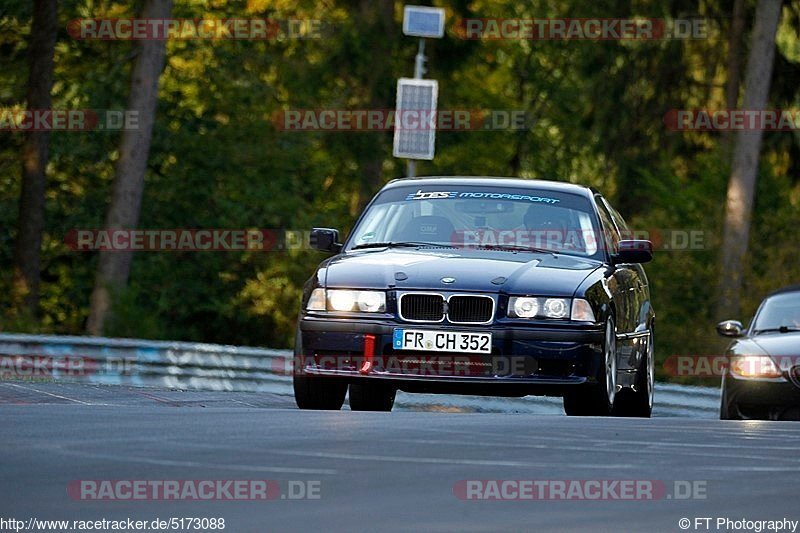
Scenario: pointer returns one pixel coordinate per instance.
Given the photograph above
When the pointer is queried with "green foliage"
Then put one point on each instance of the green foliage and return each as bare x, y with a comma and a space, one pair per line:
218, 161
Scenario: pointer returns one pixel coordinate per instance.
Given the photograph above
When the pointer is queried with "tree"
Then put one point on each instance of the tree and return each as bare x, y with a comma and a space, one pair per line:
742, 183
114, 268
735, 54
381, 15
734, 66
30, 221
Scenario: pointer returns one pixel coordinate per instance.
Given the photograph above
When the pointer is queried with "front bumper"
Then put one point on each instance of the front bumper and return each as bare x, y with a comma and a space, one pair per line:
777, 399
524, 360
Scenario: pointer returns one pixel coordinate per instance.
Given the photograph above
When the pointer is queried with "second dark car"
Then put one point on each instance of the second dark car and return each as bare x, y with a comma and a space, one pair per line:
761, 380
489, 286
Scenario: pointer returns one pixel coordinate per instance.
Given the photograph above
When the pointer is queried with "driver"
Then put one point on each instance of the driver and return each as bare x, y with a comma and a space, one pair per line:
794, 316
547, 227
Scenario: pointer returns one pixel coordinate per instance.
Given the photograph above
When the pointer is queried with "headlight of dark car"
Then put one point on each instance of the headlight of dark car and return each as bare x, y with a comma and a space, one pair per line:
576, 309
345, 300
754, 366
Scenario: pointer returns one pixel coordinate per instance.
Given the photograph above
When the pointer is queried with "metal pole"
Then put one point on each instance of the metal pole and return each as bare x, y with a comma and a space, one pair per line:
419, 63
419, 71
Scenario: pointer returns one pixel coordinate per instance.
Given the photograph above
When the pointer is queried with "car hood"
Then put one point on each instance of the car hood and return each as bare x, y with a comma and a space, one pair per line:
778, 344
484, 271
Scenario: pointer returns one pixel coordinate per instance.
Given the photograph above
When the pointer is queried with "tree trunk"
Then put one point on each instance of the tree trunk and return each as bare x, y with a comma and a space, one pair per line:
379, 14
30, 221
734, 66
113, 269
742, 184
735, 55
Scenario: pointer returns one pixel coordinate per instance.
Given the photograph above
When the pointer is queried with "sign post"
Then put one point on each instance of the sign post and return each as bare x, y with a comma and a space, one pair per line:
415, 112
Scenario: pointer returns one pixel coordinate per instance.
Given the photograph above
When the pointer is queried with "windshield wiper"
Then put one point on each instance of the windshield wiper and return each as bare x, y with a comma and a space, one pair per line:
402, 244
417, 244
516, 248
782, 329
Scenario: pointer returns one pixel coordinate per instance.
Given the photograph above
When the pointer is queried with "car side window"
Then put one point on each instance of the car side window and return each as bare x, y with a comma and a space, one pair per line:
622, 226
610, 232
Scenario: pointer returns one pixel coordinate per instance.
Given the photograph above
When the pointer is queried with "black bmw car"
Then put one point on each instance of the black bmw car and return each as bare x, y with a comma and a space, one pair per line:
761, 380
489, 286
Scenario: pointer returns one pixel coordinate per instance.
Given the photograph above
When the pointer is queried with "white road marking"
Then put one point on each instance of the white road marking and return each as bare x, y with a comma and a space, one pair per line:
744, 445
123, 457
50, 394
614, 450
439, 460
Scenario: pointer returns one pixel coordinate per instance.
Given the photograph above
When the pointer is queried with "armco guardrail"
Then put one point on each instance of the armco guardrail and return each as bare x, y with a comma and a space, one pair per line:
135, 362
201, 366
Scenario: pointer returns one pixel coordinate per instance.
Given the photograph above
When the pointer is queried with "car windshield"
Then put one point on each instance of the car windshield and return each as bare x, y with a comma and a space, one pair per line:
480, 217
781, 311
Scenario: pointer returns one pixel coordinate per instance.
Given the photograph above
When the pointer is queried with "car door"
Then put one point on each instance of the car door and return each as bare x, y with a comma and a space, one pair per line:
621, 281
637, 301
640, 291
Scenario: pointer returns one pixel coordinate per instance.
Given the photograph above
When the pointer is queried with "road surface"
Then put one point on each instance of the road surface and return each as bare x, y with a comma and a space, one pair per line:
405, 470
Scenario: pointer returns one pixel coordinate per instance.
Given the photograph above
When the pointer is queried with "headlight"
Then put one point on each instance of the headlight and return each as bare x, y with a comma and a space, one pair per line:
317, 300
754, 366
371, 301
531, 307
347, 301
582, 311
523, 307
342, 300
556, 307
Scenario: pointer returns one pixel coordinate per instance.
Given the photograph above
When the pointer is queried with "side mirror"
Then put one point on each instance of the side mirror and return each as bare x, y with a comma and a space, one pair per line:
730, 328
634, 251
325, 240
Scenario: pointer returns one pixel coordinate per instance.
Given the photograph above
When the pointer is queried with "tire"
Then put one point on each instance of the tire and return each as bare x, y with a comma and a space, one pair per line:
311, 392
371, 396
639, 402
597, 399
727, 410
321, 393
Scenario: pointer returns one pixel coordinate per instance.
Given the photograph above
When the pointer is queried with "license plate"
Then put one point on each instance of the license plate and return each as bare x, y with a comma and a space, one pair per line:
442, 341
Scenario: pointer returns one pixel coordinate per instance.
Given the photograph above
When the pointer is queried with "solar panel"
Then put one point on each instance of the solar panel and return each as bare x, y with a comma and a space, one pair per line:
415, 118
420, 21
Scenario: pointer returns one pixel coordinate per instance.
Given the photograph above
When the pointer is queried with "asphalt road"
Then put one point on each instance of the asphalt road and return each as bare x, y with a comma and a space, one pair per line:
404, 470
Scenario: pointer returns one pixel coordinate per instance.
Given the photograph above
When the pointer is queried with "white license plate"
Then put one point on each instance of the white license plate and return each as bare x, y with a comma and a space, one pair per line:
441, 341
